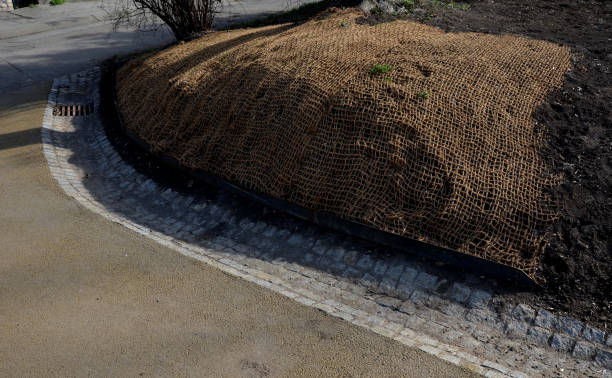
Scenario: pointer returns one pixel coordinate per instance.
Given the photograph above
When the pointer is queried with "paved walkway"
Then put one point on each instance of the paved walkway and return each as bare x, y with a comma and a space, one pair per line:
83, 296
49, 41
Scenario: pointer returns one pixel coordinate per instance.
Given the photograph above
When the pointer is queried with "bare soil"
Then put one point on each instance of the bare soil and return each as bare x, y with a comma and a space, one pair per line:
577, 265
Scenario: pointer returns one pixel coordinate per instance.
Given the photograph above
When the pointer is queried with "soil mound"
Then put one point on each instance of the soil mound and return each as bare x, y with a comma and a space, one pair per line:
399, 126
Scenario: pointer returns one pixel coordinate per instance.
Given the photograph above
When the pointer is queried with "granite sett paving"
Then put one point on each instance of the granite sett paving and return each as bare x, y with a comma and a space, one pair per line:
401, 297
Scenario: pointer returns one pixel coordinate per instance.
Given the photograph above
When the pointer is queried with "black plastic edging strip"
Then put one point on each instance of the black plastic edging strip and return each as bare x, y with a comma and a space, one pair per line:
415, 247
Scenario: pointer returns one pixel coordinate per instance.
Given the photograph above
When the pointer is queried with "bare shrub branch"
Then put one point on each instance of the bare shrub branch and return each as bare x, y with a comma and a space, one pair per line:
183, 17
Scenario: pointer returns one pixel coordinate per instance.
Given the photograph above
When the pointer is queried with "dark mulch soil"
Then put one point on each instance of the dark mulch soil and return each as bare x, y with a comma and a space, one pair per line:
578, 119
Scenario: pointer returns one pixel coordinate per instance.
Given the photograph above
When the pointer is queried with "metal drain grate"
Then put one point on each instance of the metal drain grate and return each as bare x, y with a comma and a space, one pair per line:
73, 110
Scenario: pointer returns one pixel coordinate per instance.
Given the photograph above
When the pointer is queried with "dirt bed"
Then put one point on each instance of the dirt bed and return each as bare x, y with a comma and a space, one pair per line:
578, 119
577, 265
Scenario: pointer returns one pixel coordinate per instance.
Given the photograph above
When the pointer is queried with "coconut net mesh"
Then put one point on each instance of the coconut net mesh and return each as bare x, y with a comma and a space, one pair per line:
399, 126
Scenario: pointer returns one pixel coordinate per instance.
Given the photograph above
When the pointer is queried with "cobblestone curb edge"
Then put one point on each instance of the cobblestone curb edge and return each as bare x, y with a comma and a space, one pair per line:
397, 300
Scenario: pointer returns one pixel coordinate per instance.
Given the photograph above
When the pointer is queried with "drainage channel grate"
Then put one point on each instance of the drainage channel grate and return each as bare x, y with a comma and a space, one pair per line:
73, 110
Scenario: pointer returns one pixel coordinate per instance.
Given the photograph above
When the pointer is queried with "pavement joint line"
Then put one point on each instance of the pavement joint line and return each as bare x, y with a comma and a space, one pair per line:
265, 255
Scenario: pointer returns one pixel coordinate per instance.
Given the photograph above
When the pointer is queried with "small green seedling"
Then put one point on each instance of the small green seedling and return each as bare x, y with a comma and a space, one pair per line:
423, 95
455, 5
56, 2
345, 24
32, 5
223, 59
387, 79
380, 68
407, 3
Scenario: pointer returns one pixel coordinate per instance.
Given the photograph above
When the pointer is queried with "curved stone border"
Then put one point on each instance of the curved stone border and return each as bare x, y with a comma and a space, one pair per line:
415, 303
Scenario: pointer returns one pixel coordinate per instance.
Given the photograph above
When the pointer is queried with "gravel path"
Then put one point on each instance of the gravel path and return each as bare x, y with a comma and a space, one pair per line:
83, 296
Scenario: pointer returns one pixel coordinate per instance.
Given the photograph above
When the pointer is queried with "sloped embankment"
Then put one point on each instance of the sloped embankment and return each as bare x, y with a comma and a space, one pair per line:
400, 126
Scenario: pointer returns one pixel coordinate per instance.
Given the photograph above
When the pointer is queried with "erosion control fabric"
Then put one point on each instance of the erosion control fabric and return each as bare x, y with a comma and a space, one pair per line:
399, 126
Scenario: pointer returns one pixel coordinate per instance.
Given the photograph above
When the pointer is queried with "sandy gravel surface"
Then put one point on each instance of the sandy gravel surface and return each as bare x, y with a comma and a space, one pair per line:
80, 295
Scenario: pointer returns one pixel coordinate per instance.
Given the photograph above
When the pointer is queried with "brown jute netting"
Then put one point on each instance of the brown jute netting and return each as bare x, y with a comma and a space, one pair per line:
441, 147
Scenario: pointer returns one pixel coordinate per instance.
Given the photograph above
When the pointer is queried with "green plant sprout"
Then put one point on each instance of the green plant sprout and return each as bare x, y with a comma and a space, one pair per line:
454, 5
381, 68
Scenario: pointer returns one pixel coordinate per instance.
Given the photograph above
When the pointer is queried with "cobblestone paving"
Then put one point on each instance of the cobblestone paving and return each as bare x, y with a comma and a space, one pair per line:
453, 315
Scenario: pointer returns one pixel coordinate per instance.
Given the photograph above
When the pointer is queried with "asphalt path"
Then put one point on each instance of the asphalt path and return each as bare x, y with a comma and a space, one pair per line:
45, 42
